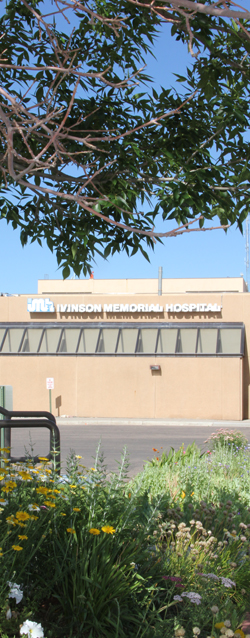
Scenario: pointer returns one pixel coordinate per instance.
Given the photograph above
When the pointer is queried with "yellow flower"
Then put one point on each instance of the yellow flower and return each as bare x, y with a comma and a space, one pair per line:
94, 531
1, 554
25, 476
240, 633
70, 530
93, 468
22, 516
1, 478
76, 509
43, 458
218, 625
42, 490
3, 470
21, 524
17, 548
11, 484
108, 529
78, 456
49, 504
5, 460
5, 449
192, 494
72, 485
183, 494
33, 518
22, 537
62, 514
11, 520
57, 492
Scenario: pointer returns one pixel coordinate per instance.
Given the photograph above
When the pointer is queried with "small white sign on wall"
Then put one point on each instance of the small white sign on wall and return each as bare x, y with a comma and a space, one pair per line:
50, 383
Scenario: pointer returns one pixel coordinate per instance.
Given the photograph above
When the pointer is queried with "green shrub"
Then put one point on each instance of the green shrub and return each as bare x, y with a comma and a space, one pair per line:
98, 556
180, 457
231, 438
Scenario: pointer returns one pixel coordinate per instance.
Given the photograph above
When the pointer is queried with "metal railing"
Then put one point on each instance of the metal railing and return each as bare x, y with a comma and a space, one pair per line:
23, 419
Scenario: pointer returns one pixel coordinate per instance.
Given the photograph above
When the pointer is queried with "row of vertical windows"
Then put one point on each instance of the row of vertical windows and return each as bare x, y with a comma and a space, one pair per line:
174, 340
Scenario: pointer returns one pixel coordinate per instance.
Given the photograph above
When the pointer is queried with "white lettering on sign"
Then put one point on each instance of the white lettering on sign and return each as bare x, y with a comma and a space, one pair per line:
192, 307
50, 383
78, 308
108, 307
132, 308
45, 305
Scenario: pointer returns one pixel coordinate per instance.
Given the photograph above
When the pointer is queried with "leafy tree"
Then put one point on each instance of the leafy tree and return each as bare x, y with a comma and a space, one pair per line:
85, 141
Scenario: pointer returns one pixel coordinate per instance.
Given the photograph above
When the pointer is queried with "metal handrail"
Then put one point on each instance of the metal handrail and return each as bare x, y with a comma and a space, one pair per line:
32, 419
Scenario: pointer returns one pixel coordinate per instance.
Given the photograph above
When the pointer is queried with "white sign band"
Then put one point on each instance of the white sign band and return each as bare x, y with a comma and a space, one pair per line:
45, 305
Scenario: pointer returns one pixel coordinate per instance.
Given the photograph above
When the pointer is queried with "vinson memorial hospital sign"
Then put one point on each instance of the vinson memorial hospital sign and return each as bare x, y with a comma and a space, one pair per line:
42, 305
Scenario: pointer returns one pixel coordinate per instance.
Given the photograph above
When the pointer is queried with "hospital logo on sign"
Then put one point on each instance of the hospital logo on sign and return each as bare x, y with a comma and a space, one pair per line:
40, 305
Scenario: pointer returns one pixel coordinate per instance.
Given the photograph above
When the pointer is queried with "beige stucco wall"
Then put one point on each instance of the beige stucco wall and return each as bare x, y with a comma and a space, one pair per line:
126, 387
187, 387
140, 286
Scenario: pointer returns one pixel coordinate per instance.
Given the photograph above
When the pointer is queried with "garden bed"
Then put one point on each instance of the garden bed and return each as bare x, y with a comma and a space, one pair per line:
96, 556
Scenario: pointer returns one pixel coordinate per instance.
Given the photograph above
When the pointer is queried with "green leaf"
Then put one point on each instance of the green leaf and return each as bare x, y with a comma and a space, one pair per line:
66, 272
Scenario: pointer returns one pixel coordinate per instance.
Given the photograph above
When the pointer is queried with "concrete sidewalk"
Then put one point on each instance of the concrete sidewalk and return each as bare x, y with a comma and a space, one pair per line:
108, 421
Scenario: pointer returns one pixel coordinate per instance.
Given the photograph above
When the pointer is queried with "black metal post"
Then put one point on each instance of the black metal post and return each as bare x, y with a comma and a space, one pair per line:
33, 420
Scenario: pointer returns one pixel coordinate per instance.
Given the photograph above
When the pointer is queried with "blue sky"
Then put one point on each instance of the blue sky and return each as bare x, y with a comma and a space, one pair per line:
204, 254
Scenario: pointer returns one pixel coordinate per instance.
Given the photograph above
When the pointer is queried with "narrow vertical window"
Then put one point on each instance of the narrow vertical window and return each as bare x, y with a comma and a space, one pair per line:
167, 341
12, 340
186, 343
31, 340
88, 340
127, 341
50, 340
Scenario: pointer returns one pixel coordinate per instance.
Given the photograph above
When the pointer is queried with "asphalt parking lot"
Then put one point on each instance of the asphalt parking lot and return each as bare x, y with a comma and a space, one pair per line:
83, 436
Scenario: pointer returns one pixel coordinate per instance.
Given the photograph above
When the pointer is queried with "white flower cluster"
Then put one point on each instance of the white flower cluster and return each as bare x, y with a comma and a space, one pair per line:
32, 629
227, 582
15, 592
193, 597
178, 599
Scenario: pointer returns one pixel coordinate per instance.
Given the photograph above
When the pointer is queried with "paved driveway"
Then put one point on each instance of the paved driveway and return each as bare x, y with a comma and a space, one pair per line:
139, 439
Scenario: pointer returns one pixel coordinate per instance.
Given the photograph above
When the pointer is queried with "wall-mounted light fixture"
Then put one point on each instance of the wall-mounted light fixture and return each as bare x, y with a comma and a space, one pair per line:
155, 368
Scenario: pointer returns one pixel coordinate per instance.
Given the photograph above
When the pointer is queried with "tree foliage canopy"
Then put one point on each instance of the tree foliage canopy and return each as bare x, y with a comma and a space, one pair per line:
85, 141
